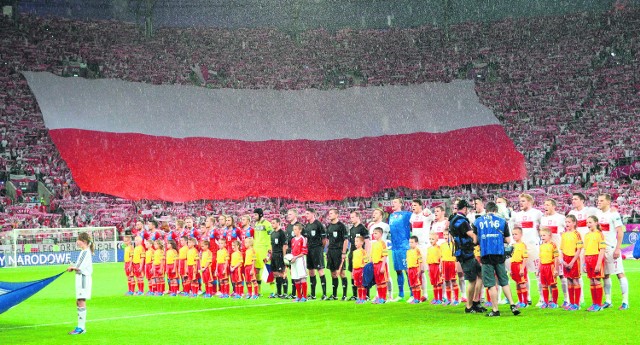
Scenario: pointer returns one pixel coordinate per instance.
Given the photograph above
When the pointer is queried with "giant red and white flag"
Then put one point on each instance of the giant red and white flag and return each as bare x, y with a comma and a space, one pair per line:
180, 143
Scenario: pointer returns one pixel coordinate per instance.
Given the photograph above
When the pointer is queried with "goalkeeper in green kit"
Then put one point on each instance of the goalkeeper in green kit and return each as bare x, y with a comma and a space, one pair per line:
262, 241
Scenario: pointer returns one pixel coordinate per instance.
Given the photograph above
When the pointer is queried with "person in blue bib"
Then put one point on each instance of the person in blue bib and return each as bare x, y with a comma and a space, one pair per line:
400, 231
492, 232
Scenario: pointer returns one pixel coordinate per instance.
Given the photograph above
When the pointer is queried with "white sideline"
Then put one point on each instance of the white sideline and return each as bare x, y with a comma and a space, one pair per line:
146, 315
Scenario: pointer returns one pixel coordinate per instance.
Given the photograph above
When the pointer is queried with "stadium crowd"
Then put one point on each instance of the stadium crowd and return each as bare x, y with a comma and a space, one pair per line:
575, 88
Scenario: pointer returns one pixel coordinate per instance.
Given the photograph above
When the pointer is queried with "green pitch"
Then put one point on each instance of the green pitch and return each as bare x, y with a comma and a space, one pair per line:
114, 318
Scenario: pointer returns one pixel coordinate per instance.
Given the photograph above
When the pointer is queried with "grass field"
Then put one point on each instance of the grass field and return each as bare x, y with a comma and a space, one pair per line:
117, 319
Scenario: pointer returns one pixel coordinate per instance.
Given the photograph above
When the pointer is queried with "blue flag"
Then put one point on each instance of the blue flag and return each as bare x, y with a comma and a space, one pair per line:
12, 294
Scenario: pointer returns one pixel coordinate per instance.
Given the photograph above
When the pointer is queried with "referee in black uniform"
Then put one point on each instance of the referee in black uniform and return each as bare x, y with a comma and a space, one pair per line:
357, 230
337, 253
278, 247
316, 236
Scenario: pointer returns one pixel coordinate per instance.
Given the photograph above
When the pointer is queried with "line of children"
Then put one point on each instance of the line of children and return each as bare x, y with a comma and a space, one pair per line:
571, 247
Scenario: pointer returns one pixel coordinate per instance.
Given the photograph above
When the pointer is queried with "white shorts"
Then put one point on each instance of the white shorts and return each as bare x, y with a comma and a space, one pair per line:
299, 268
423, 251
83, 286
611, 265
533, 261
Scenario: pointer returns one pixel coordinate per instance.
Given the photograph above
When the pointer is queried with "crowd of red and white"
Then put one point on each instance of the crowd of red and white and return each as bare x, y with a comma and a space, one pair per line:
566, 89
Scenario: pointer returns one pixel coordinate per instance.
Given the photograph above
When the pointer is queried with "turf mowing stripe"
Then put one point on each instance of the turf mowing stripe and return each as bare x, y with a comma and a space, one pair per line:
148, 315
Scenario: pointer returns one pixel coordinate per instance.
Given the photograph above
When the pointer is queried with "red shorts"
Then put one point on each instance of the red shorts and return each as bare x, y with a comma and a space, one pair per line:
222, 272
383, 277
136, 270
591, 261
515, 273
249, 273
171, 271
207, 276
148, 270
182, 268
236, 276
449, 271
434, 274
158, 271
414, 276
357, 276
546, 274
192, 272
574, 272
128, 269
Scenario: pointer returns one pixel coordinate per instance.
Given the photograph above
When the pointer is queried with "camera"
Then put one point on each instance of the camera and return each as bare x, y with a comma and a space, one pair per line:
508, 251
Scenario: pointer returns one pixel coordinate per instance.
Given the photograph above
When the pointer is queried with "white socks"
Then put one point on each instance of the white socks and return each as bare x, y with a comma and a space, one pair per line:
425, 286
607, 290
624, 286
581, 290
539, 288
82, 317
565, 289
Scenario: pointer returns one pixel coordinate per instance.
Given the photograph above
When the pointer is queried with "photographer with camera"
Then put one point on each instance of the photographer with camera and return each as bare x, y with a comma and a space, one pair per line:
492, 234
464, 239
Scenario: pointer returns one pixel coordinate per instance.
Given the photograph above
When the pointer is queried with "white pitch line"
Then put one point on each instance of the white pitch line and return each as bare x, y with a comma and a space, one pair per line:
147, 315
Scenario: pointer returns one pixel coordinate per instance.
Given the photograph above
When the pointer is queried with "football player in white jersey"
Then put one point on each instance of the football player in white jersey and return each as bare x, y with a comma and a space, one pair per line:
528, 219
581, 212
421, 220
440, 222
505, 211
377, 221
554, 221
613, 231
478, 210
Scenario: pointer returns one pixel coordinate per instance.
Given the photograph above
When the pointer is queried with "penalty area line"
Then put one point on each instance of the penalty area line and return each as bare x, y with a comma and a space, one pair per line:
146, 315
